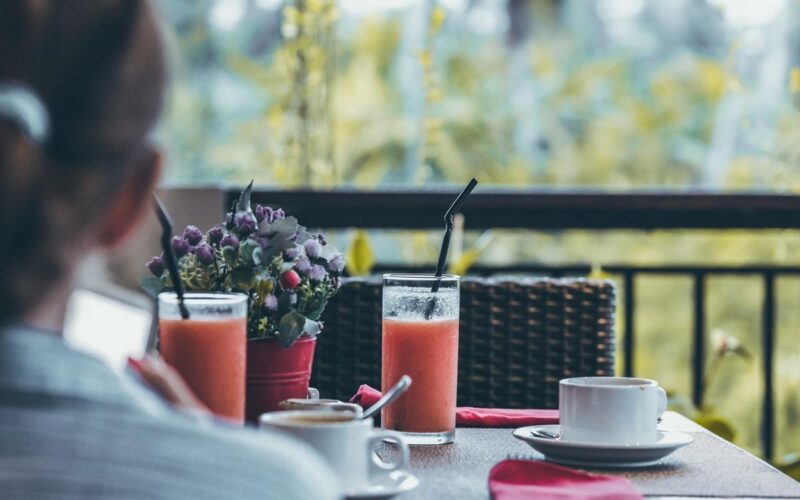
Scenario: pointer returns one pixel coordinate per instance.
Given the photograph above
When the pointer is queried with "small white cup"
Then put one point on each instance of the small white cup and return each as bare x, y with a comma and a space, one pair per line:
610, 410
346, 443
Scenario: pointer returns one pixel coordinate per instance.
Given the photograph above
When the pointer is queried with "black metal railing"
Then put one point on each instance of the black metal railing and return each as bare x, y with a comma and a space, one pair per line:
627, 275
548, 210
503, 208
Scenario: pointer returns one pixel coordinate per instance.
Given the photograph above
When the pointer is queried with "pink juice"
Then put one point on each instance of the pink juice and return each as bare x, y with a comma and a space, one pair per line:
210, 356
427, 351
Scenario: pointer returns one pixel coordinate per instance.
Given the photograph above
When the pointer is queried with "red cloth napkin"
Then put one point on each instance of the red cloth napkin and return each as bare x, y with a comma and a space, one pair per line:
526, 479
468, 416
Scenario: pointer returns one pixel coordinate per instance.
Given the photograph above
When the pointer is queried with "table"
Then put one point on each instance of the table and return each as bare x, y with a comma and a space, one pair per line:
710, 467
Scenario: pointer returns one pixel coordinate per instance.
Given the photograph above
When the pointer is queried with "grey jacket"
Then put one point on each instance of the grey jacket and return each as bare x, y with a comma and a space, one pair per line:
72, 428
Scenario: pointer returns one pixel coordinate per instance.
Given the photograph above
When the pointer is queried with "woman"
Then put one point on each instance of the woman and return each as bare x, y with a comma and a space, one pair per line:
81, 87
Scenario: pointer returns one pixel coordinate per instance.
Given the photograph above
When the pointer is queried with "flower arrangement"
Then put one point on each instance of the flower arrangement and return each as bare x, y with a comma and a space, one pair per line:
288, 273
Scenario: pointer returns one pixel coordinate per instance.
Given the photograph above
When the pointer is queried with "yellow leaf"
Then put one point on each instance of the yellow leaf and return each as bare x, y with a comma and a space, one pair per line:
790, 465
543, 62
433, 124
461, 266
434, 95
716, 424
597, 272
331, 14
314, 5
360, 258
711, 79
275, 116
437, 20
425, 59
794, 81
292, 15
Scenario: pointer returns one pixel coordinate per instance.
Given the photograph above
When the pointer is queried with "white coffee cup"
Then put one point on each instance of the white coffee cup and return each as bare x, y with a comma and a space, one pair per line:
346, 442
610, 410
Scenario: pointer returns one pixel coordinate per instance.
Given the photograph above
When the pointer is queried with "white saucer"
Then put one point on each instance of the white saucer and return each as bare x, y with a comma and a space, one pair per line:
388, 486
601, 455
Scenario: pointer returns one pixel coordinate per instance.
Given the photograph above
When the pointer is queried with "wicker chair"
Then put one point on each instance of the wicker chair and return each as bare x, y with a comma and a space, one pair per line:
517, 339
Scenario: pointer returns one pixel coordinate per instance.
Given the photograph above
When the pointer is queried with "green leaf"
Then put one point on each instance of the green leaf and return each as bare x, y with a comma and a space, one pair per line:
257, 256
151, 285
251, 252
270, 252
243, 278
316, 313
285, 301
283, 228
244, 199
229, 254
265, 286
290, 328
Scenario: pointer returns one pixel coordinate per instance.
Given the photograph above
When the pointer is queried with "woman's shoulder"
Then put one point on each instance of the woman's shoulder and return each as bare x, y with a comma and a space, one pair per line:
257, 464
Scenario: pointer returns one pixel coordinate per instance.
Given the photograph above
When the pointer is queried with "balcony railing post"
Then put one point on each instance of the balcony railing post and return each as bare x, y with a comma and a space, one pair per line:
768, 348
698, 351
628, 340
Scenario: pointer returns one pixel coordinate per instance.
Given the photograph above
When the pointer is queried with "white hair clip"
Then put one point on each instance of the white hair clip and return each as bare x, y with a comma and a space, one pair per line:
21, 106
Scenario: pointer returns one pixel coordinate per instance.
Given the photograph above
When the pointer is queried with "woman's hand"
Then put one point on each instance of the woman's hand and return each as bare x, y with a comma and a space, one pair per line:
168, 383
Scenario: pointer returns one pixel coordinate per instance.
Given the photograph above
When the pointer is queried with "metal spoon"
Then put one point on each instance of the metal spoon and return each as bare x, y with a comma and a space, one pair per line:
399, 388
541, 433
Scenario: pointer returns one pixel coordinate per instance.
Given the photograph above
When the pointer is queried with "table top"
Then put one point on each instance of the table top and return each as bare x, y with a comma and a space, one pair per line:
710, 467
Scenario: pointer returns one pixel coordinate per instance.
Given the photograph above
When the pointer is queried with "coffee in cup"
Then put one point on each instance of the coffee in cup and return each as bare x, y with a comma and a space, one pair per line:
319, 404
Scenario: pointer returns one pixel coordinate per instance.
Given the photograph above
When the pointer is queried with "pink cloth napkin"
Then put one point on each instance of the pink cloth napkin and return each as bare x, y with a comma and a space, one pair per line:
526, 479
468, 416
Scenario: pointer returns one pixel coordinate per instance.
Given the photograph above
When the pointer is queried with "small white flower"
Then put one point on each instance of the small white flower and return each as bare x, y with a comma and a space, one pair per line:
724, 343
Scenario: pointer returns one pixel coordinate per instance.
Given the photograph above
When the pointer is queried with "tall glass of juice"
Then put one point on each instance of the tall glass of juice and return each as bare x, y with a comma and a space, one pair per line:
209, 348
420, 339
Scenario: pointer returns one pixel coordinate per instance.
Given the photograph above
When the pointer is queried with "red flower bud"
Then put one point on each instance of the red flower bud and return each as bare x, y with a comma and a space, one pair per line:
290, 280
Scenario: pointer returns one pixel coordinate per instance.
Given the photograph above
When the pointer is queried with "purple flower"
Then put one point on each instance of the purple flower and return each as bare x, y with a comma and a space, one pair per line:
193, 235
263, 241
302, 264
269, 214
313, 248
245, 223
278, 214
317, 273
321, 239
156, 266
336, 263
292, 252
230, 240
180, 247
259, 213
271, 303
215, 235
204, 254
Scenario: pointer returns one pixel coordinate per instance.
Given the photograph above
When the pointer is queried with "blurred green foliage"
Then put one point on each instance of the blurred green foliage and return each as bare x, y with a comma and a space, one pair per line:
562, 94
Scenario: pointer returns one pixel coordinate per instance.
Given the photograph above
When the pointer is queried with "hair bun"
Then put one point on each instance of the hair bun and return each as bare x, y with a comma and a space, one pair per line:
22, 107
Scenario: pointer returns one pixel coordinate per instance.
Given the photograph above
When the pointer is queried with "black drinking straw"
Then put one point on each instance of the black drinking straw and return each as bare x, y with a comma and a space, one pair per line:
166, 245
448, 231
